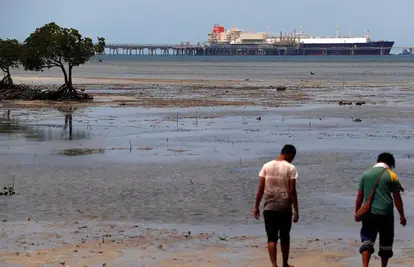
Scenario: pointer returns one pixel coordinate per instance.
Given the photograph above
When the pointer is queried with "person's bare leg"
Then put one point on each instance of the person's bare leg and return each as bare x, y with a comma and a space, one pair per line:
384, 261
285, 254
272, 247
366, 256
285, 239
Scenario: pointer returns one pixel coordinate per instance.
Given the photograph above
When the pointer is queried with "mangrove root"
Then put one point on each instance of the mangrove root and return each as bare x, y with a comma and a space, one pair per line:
24, 92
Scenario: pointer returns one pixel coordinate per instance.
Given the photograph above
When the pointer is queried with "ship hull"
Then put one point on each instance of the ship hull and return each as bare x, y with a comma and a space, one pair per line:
351, 49
359, 49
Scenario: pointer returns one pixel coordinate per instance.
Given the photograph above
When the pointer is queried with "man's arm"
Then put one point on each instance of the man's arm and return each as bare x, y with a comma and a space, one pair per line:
294, 197
259, 196
396, 189
400, 207
359, 200
360, 195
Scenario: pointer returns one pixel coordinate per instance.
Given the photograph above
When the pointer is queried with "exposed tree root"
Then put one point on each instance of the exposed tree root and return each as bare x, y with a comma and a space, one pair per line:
24, 92
6, 81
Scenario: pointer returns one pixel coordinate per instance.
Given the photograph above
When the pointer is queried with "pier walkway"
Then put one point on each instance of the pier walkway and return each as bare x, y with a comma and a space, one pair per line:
151, 49
186, 49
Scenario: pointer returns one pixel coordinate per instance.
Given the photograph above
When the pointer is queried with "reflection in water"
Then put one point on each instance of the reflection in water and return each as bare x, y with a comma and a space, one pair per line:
68, 112
68, 120
13, 127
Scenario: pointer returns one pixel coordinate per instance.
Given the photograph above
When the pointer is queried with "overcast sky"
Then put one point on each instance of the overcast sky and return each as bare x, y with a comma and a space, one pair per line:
167, 21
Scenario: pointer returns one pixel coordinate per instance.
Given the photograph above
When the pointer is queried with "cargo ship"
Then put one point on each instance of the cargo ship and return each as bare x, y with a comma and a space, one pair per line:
237, 42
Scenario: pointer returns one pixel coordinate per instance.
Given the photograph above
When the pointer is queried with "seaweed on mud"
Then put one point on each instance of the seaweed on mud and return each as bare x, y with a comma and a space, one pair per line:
118, 148
81, 151
177, 150
144, 148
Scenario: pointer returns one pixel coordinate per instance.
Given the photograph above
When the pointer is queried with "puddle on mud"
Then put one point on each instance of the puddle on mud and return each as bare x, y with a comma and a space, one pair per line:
127, 134
16, 127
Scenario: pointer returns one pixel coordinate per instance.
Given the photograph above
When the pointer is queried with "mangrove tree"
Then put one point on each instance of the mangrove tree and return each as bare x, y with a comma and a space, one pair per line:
53, 46
10, 50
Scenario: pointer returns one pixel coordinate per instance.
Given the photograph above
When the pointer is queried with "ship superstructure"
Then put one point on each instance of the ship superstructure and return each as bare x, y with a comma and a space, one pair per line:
296, 43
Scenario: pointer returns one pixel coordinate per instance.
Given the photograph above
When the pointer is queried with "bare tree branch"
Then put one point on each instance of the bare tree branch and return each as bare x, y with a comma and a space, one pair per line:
48, 66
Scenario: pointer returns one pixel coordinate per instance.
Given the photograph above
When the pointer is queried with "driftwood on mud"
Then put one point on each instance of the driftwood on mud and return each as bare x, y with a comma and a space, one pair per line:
23, 92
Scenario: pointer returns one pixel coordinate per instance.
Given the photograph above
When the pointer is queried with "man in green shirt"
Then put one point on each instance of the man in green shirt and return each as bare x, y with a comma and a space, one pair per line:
381, 218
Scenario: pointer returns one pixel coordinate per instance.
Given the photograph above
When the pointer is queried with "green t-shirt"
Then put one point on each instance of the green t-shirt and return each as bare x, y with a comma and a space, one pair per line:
383, 203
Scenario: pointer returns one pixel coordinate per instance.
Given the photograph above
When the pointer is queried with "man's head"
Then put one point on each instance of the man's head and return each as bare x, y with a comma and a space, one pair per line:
288, 152
386, 158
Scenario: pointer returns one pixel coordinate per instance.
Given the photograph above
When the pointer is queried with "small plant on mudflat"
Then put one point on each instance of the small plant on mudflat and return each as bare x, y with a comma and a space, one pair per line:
7, 190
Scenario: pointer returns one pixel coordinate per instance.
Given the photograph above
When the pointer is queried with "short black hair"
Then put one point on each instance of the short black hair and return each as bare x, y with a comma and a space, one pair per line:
288, 149
387, 158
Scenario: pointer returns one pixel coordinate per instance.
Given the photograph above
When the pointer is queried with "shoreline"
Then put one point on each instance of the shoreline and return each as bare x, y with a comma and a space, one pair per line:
94, 243
119, 244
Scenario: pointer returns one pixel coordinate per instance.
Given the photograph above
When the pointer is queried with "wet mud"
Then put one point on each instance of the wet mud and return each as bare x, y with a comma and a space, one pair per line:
167, 155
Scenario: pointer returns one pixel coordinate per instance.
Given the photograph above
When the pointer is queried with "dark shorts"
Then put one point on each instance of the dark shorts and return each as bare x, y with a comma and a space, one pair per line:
278, 224
372, 226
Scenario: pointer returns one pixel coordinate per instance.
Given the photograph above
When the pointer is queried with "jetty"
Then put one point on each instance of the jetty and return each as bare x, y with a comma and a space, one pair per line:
152, 49
187, 49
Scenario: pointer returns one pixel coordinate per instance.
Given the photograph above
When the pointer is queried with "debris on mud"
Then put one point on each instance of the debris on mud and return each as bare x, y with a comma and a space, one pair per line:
344, 102
7, 190
355, 119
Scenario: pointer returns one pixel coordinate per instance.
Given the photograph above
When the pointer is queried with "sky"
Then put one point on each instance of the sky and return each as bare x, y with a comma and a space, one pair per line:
172, 22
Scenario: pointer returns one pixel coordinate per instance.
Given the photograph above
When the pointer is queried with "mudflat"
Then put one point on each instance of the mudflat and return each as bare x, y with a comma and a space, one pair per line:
162, 170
